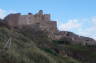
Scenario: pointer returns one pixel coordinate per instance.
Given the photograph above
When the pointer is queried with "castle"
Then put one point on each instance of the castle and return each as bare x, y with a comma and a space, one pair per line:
45, 23
43, 20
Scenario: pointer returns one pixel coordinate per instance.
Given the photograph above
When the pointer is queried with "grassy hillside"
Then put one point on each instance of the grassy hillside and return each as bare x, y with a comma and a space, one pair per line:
85, 54
24, 46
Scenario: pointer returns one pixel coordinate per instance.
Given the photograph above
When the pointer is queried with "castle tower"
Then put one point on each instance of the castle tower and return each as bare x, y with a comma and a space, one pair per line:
40, 12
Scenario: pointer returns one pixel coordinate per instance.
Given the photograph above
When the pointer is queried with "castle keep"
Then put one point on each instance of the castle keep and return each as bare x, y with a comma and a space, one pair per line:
43, 20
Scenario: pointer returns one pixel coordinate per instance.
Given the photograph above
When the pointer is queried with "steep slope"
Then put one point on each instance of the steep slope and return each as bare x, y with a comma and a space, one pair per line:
17, 48
22, 50
84, 53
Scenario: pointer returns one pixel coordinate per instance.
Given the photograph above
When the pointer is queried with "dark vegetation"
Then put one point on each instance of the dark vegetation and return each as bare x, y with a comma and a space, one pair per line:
85, 54
32, 45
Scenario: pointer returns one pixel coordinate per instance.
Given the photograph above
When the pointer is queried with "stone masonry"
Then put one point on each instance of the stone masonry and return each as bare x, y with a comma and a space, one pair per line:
44, 20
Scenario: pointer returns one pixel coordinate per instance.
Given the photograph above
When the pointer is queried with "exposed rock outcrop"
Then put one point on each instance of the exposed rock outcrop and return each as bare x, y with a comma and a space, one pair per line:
75, 39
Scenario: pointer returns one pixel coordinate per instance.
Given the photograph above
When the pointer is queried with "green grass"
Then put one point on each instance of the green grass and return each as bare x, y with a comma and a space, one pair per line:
85, 54
25, 50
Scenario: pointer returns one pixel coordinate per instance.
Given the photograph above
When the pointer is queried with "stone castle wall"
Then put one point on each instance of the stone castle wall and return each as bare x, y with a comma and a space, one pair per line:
12, 19
44, 20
